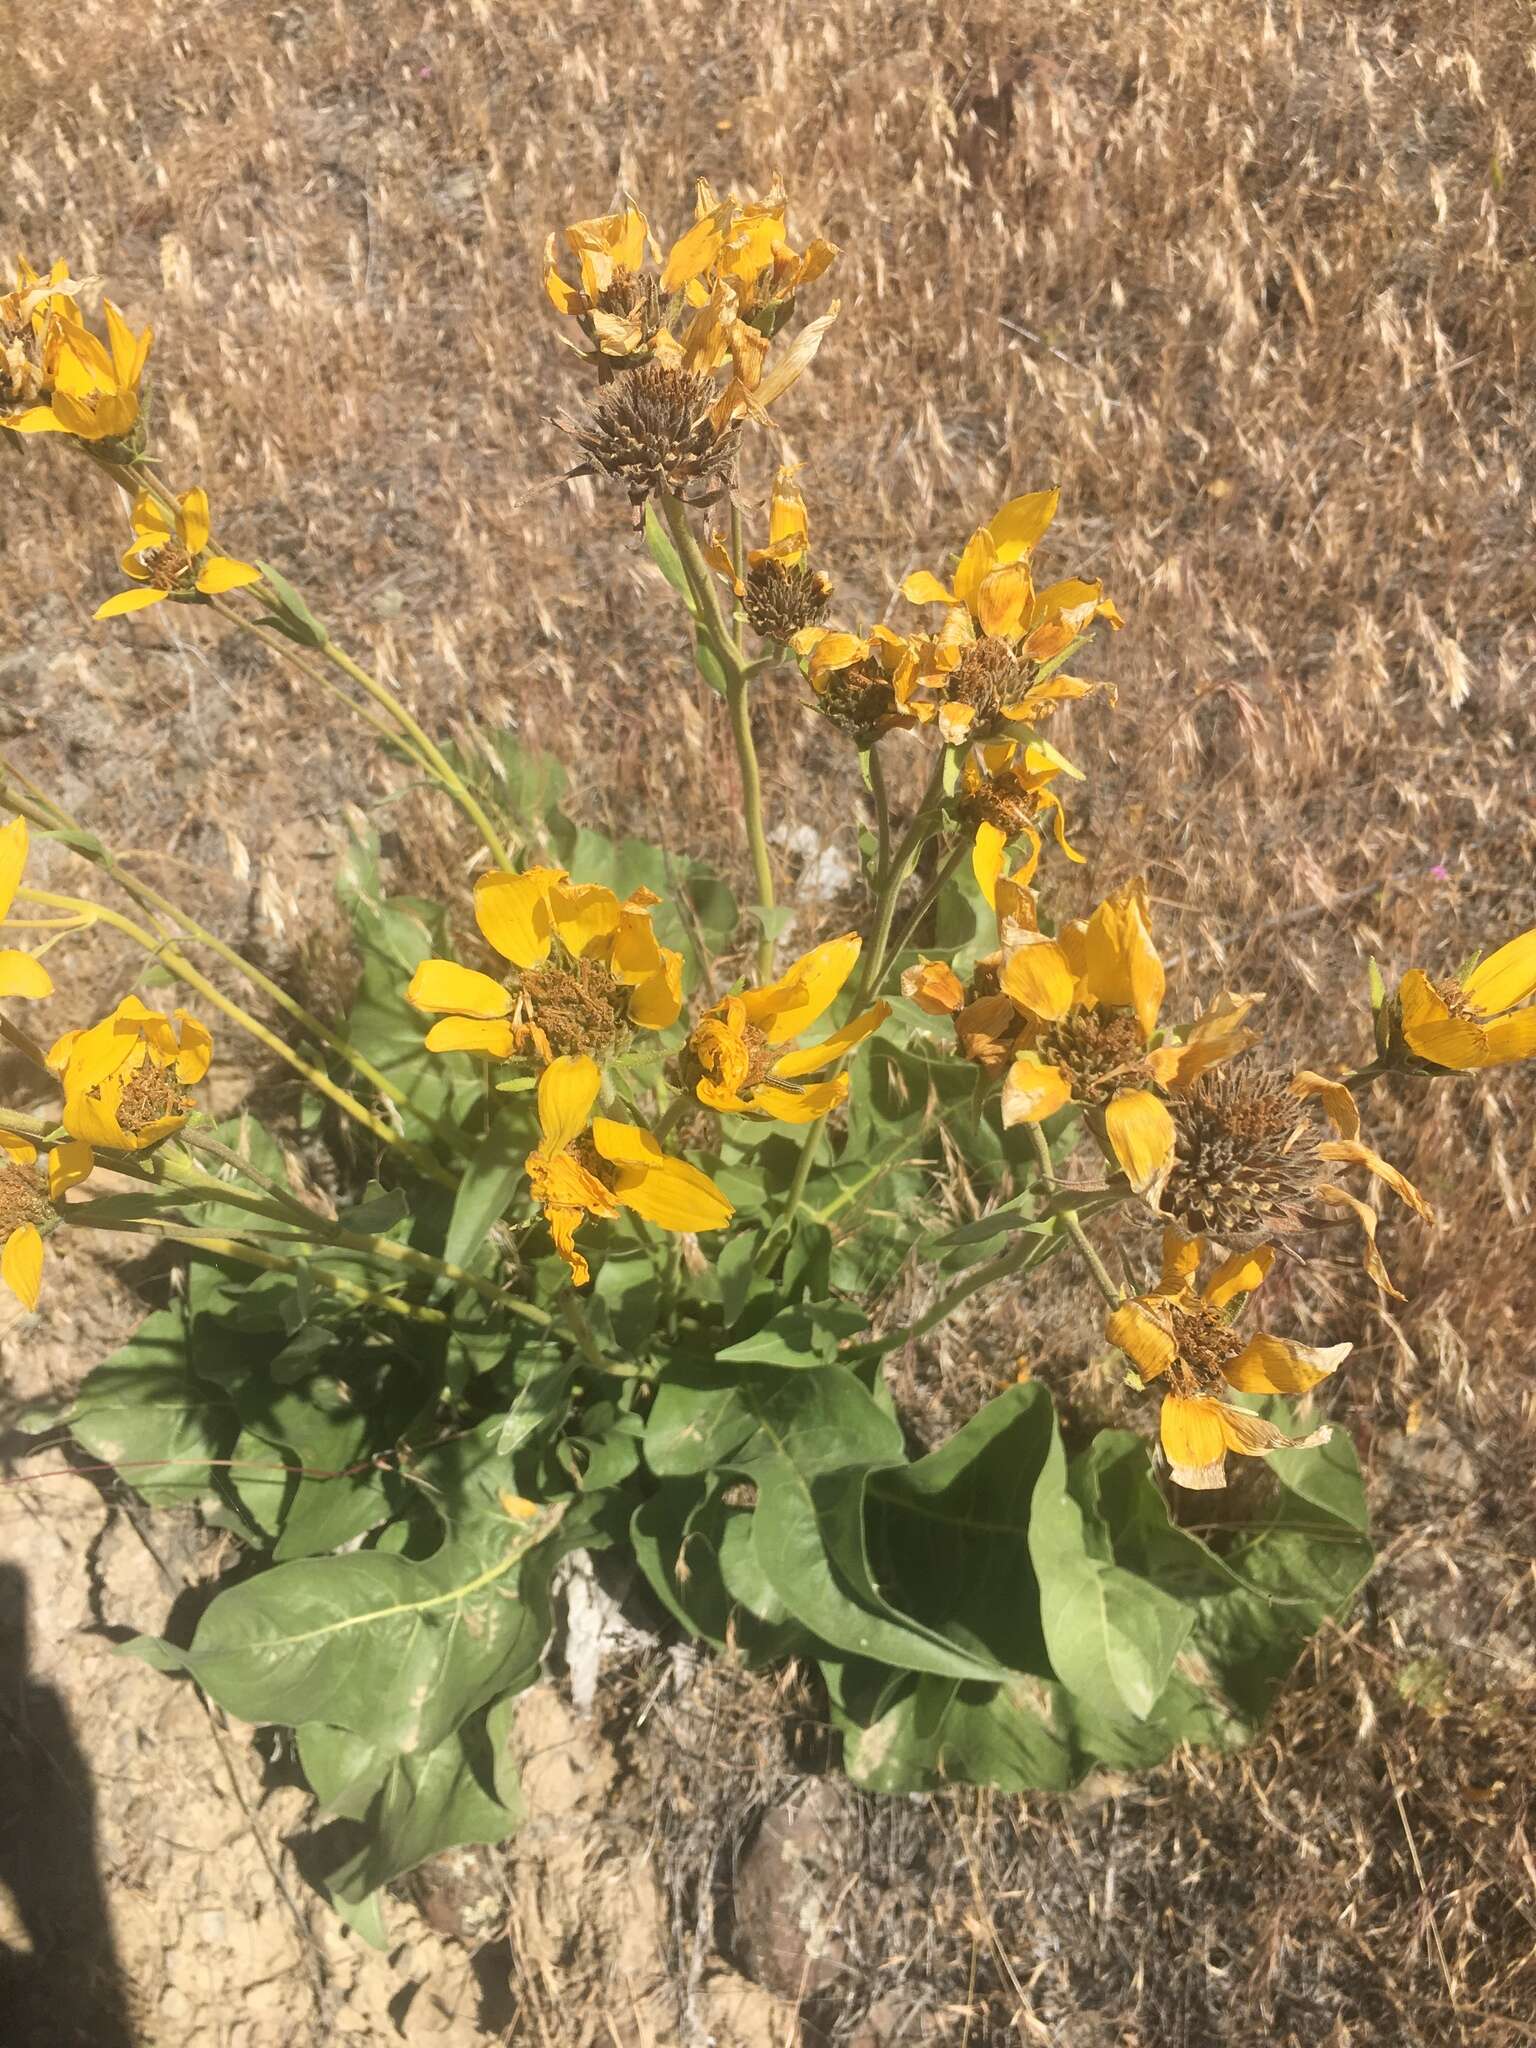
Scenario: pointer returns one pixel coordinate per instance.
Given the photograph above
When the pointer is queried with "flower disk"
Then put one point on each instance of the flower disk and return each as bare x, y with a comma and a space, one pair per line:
653, 430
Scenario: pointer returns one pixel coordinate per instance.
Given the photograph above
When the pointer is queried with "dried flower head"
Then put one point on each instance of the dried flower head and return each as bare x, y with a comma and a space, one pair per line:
863, 683
29, 1207
655, 430
1247, 1164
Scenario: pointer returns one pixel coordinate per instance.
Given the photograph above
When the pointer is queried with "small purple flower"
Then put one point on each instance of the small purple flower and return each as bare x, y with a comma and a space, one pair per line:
1440, 872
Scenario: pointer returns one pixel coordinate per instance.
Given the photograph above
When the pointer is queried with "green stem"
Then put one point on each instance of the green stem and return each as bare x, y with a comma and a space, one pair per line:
1071, 1222
871, 969
587, 1344
926, 901
171, 957
1033, 1250
710, 620
874, 774
151, 899
672, 1115
432, 755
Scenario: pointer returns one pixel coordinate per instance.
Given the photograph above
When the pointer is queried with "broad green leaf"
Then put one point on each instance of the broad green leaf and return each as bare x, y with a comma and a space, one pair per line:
146, 1412
659, 544
492, 1176
905, 1732
807, 1334
291, 615
707, 662
1111, 1637
397, 1651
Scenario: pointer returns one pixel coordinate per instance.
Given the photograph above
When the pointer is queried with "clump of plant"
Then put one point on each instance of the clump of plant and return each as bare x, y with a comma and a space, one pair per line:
635, 1188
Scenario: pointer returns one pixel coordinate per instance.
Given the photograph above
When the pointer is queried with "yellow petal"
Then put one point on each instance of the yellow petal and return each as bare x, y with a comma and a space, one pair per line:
834, 651
1142, 1137
129, 601
800, 995
91, 1116
1017, 529
223, 573
21, 1264
563, 1224
1033, 1091
1123, 970
62, 1050
463, 991
493, 1036
1354, 1153
1253, 1437
194, 1051
809, 1059
1038, 978
800, 1105
977, 561
13, 860
935, 987
656, 1003
625, 1144
955, 721
1145, 1342
68, 1165
1431, 1031
585, 916
1002, 599
989, 857
192, 521
1239, 1273
512, 912
568, 1088
21, 975
691, 254
1194, 1442
795, 360
18, 1150
671, 1193
1370, 1258
1181, 1259
1505, 978
1510, 1038
1269, 1365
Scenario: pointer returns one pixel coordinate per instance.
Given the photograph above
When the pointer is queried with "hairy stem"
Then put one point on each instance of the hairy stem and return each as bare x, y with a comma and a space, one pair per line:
1071, 1222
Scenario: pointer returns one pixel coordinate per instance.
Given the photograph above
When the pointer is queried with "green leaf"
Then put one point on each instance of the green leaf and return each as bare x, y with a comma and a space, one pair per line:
412, 1806
807, 1334
1111, 1637
292, 615
735, 1269
707, 662
491, 1178
906, 1732
541, 1401
396, 1651
659, 542
145, 1411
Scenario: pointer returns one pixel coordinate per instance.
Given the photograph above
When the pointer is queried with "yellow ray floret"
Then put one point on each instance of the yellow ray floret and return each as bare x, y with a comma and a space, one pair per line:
594, 1166
1479, 1020
29, 1205
1182, 1335
125, 1079
742, 1053
20, 974
95, 392
169, 557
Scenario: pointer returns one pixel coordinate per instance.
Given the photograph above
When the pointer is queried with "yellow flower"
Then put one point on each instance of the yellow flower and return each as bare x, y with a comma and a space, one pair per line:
1002, 800
1184, 1336
740, 1055
616, 302
576, 1171
1093, 995
1473, 1022
780, 594
865, 683
125, 1078
589, 970
744, 243
29, 1207
20, 974
30, 335
95, 385
168, 559
998, 631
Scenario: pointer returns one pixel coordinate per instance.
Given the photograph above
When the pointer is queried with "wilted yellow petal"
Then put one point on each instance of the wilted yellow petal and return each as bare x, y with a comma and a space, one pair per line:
1194, 1443
1510, 1038
1352, 1152
1269, 1365
1181, 1259
800, 995
1145, 1342
1033, 1091
1142, 1137
1002, 598
810, 1059
68, 1165
1238, 1273
194, 1049
1038, 977
21, 975
493, 1036
1017, 529
935, 987
1255, 1438
923, 587
1123, 970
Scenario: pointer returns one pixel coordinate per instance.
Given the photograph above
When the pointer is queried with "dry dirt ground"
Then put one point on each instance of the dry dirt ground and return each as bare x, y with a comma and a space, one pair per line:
1257, 286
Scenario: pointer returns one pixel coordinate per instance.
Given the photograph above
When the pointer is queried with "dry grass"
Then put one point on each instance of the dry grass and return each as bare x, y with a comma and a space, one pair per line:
1256, 287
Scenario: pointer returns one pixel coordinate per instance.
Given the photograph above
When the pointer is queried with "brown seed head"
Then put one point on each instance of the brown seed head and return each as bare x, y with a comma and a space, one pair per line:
1101, 1050
783, 598
651, 431
987, 677
577, 1009
1206, 1343
149, 1094
860, 702
23, 1199
1247, 1165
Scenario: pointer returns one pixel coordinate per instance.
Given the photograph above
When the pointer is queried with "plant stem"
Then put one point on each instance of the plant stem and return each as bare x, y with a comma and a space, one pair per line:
710, 620
926, 901
1071, 1222
170, 955
1032, 1251
151, 899
871, 969
874, 769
